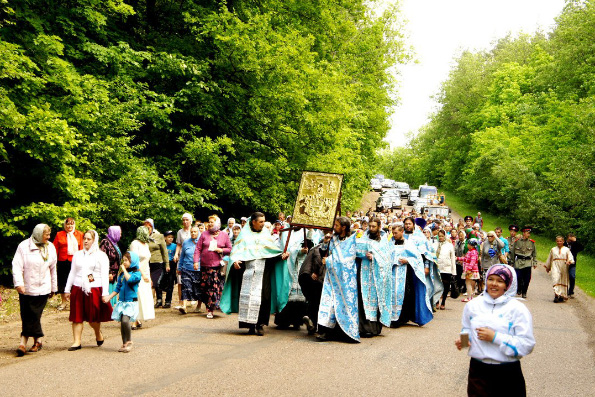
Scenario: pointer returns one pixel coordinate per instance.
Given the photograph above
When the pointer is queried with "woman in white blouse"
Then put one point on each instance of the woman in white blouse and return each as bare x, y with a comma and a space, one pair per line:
140, 246
87, 283
445, 252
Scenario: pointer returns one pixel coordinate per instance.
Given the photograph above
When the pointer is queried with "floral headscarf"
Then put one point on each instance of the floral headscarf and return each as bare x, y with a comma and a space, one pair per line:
142, 234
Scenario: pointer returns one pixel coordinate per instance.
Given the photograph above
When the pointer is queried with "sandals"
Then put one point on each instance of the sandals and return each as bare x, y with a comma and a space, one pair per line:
126, 347
36, 347
21, 350
466, 300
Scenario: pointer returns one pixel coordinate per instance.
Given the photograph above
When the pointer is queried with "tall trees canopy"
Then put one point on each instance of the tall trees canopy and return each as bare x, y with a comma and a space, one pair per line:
113, 111
515, 132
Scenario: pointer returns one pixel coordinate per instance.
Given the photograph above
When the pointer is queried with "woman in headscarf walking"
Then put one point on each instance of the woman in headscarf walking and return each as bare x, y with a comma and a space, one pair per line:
212, 246
67, 242
87, 283
35, 279
500, 332
109, 245
140, 246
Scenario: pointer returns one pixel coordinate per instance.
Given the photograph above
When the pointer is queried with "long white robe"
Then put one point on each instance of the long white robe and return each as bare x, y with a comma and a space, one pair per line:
557, 262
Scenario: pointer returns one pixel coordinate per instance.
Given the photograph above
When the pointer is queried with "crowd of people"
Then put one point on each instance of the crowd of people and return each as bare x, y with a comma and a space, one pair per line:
370, 271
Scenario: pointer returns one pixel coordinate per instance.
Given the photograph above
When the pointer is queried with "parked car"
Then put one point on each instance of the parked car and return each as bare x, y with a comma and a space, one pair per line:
390, 192
387, 183
396, 202
384, 203
376, 185
433, 210
402, 188
413, 195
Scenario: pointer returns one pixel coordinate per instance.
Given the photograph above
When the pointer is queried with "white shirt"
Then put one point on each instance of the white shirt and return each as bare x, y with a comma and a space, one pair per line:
447, 261
83, 264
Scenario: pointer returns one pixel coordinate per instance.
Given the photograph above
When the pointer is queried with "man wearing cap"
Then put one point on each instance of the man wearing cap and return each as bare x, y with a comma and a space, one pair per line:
468, 222
512, 229
523, 254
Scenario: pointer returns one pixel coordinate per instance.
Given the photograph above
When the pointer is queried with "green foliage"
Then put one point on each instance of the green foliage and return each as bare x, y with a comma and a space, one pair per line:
114, 111
515, 131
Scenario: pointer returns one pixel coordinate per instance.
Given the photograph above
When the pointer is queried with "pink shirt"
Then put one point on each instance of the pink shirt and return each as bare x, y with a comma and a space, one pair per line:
211, 258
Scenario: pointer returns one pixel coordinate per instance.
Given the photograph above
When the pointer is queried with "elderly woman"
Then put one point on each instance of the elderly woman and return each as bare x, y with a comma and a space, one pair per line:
87, 283
189, 271
35, 279
67, 242
109, 245
211, 247
490, 254
140, 246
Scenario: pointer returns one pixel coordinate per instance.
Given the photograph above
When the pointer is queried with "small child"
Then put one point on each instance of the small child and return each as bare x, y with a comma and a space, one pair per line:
126, 310
470, 268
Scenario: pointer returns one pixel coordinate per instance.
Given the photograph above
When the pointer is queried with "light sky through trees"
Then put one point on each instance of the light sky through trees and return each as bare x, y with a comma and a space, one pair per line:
439, 30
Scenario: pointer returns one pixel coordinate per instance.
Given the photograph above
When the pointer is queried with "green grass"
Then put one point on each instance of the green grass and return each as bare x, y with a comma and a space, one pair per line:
585, 271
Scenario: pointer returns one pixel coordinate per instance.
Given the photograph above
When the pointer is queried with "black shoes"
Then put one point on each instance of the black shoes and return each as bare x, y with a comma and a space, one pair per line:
167, 305
309, 325
259, 330
321, 337
158, 304
73, 348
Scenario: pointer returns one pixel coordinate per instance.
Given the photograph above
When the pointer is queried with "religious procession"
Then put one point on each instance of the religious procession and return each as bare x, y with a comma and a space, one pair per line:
371, 271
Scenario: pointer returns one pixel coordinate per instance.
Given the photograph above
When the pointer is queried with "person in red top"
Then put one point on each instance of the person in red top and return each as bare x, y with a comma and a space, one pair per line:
67, 242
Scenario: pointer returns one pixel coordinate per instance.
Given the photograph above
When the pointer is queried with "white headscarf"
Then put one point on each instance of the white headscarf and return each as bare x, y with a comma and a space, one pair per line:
89, 262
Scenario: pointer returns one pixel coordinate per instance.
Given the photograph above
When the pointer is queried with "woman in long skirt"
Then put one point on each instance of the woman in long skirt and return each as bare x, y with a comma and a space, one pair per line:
87, 283
140, 246
35, 279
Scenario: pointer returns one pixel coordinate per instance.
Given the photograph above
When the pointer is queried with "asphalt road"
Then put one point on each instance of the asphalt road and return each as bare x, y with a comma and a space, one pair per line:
191, 354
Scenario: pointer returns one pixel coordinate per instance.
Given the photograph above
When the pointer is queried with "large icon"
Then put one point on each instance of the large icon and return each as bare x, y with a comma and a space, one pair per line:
318, 199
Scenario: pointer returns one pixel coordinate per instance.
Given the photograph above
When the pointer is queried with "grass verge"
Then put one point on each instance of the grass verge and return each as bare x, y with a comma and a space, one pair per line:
585, 271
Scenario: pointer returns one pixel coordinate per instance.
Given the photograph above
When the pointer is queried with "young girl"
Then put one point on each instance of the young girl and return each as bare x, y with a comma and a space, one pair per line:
470, 268
500, 331
126, 310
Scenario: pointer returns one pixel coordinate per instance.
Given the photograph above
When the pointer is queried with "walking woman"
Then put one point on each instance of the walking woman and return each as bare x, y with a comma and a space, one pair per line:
500, 331
211, 247
67, 242
558, 261
109, 245
189, 271
87, 283
445, 252
35, 279
140, 246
